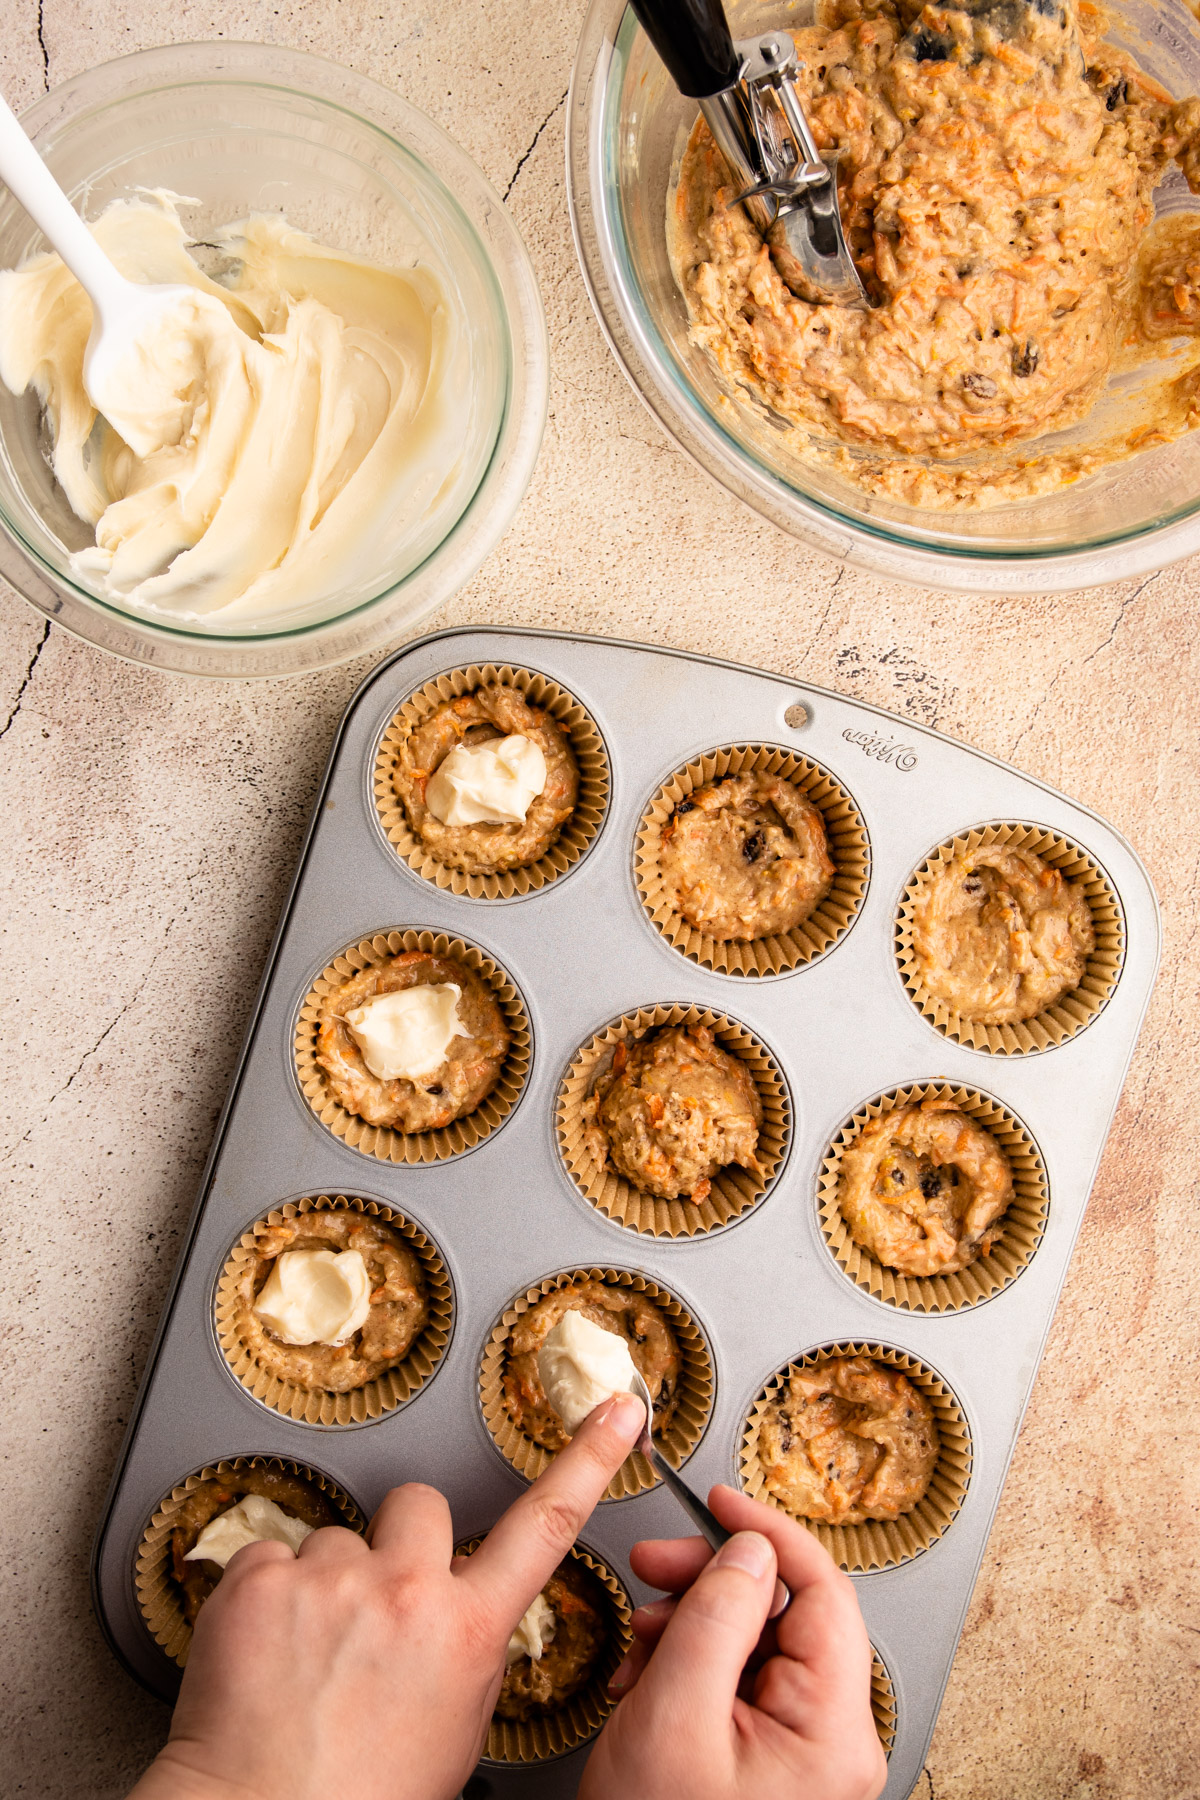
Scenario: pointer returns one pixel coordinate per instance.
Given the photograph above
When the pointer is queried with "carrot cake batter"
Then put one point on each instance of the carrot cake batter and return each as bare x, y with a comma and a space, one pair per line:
996, 167
849, 1440
924, 1188
746, 857
555, 1647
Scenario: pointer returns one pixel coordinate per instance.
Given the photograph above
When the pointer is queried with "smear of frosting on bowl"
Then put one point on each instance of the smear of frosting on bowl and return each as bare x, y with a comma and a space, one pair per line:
320, 406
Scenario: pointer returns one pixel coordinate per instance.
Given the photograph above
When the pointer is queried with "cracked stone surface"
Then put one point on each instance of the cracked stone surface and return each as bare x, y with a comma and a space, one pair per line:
150, 828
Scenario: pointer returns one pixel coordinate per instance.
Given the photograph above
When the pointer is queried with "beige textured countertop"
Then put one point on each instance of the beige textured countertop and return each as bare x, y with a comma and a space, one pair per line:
150, 828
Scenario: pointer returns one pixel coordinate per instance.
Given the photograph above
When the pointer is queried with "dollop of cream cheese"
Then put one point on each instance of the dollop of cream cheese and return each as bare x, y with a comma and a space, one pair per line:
487, 784
406, 1035
287, 434
533, 1633
580, 1365
315, 1296
254, 1520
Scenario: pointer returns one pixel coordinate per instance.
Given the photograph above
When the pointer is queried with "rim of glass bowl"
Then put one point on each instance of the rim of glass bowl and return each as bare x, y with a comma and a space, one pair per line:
464, 188
598, 229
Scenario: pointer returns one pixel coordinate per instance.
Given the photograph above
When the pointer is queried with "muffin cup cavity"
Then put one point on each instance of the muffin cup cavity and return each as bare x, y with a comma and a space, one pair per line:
575, 836
381, 1141
320, 1406
883, 1702
1021, 1226
157, 1597
552, 1734
1076, 1009
849, 847
697, 1383
734, 1189
878, 1543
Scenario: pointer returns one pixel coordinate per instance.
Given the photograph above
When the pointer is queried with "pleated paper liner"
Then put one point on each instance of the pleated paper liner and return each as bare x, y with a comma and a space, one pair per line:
380, 1141
553, 1734
734, 1190
849, 848
576, 834
157, 1596
883, 1702
1022, 1224
321, 1406
1047, 1029
696, 1385
879, 1543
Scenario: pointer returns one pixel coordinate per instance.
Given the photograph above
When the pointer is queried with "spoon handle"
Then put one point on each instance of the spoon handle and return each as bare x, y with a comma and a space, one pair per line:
708, 1525
34, 187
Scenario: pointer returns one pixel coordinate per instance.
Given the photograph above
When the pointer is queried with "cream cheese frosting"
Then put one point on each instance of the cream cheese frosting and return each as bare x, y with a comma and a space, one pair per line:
487, 784
533, 1632
405, 1035
580, 1365
295, 423
254, 1520
315, 1296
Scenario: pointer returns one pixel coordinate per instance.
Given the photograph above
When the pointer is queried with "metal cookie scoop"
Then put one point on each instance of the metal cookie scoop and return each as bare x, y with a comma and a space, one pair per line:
748, 96
708, 1525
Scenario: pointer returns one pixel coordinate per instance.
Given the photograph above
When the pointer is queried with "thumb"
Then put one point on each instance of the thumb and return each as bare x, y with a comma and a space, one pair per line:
717, 1623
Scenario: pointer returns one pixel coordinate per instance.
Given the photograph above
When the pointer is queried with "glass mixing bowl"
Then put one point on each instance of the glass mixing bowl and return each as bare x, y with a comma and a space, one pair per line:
240, 128
627, 126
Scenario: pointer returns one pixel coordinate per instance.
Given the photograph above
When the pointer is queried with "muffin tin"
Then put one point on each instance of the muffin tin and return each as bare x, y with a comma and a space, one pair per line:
765, 1288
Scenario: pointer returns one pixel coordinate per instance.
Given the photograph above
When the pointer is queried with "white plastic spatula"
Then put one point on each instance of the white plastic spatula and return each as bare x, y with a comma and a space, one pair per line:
141, 396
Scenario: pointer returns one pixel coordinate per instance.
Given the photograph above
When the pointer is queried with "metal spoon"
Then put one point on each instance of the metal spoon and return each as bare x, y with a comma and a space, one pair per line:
125, 314
706, 1522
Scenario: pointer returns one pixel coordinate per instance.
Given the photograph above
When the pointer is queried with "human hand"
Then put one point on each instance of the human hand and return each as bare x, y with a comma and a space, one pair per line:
369, 1667
717, 1703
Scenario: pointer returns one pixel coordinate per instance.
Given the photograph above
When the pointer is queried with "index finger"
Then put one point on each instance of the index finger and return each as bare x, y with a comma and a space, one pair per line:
523, 1549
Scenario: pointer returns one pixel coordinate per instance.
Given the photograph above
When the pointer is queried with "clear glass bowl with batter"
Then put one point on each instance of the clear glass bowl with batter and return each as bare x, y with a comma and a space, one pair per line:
627, 127
240, 128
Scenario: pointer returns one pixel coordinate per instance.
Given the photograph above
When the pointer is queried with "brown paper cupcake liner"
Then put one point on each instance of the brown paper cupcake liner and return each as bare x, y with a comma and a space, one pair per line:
1021, 1226
380, 1141
575, 836
157, 1596
320, 1406
553, 1734
879, 1543
697, 1383
1047, 1029
734, 1190
883, 1702
849, 847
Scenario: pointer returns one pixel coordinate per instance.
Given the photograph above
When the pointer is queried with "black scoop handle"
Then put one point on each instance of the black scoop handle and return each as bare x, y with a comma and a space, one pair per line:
692, 37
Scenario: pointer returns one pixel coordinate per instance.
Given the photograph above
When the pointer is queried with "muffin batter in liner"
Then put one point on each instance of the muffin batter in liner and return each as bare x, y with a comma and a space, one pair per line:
576, 834
883, 1702
580, 1717
321, 1406
157, 1595
697, 1383
380, 1141
1076, 1008
734, 1189
878, 1543
849, 848
1021, 1225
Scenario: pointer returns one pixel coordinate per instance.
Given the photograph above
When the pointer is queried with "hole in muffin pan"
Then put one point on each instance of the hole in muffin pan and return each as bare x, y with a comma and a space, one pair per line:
375, 1399
157, 1596
876, 1544
830, 921
547, 1736
417, 1147
576, 836
735, 1191
1023, 1223
1076, 1010
697, 1385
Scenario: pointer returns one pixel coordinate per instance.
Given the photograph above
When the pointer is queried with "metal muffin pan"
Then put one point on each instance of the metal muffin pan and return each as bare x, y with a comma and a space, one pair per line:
766, 1288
